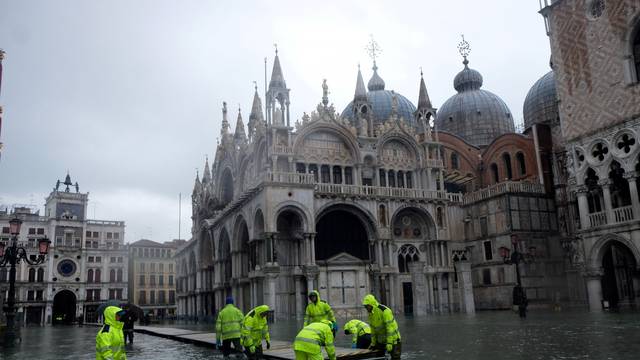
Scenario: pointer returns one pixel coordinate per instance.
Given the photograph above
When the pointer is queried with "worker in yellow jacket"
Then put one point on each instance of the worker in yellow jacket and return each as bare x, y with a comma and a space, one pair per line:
254, 329
228, 328
317, 310
310, 340
384, 328
110, 338
360, 333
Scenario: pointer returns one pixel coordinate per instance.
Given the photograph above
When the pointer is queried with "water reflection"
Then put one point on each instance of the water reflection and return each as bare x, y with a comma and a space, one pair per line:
490, 335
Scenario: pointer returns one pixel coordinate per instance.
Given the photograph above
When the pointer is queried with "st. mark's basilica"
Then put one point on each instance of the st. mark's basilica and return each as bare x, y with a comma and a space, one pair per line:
433, 208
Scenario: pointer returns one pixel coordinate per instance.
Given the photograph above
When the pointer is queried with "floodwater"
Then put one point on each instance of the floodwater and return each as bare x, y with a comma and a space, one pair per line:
484, 336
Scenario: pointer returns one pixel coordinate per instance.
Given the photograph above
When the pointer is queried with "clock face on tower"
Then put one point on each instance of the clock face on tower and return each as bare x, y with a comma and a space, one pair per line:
67, 267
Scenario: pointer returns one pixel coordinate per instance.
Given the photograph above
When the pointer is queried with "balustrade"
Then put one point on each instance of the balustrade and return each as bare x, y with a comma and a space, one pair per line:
597, 219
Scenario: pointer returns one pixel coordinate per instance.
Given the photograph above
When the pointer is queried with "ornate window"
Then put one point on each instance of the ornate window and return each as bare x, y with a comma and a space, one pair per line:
600, 151
337, 175
32, 275
406, 255
392, 178
455, 164
494, 173
506, 158
40, 277
521, 164
326, 174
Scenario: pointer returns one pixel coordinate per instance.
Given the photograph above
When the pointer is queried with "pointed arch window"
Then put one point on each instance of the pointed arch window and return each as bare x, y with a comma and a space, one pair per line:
90, 275
119, 275
407, 255
32, 275
40, 277
112, 275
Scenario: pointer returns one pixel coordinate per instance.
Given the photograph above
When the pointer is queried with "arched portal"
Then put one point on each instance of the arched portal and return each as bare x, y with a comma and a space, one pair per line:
290, 228
620, 279
64, 307
342, 229
242, 242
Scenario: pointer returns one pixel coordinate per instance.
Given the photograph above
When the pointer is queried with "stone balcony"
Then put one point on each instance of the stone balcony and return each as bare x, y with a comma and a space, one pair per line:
503, 188
377, 191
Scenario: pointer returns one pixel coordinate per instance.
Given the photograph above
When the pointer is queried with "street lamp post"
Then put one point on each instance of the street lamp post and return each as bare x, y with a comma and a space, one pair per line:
515, 258
10, 257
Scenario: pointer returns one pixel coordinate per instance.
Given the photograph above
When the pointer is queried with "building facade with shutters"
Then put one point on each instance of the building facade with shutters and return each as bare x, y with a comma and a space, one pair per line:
152, 277
87, 262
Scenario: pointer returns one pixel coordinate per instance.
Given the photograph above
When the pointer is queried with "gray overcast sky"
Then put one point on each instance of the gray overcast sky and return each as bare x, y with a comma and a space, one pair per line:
127, 94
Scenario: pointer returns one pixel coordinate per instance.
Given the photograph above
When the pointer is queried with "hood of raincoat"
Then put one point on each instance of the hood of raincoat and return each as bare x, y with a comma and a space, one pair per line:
110, 317
261, 309
316, 293
327, 322
370, 300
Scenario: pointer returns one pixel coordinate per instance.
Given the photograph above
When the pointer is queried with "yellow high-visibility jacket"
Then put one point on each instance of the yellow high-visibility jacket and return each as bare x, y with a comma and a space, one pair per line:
229, 323
384, 328
110, 338
313, 337
318, 311
255, 327
357, 328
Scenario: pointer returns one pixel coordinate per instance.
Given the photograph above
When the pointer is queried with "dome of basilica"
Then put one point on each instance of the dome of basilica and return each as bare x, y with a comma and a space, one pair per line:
541, 103
478, 116
381, 101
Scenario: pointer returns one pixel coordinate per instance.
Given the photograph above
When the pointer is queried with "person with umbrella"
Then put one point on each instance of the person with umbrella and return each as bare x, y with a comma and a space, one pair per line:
110, 338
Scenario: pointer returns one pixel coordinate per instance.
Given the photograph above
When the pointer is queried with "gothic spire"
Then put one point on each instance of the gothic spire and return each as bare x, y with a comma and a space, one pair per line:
206, 176
240, 133
277, 79
361, 92
256, 108
423, 97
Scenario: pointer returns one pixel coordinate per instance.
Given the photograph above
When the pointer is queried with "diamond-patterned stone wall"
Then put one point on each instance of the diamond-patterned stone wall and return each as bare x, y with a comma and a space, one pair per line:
589, 57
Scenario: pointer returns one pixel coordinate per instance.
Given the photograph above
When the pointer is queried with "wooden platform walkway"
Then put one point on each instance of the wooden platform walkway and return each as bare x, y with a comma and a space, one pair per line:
280, 350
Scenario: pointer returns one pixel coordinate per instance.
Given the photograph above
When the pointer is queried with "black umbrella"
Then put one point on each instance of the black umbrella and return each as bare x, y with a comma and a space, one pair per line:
103, 306
134, 312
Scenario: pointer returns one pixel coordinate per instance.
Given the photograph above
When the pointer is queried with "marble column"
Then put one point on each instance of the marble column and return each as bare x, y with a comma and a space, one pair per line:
440, 293
605, 183
430, 307
594, 289
299, 297
583, 206
465, 287
633, 193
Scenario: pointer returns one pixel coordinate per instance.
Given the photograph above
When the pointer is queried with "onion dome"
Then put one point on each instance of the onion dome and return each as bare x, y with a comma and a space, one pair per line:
381, 101
541, 103
476, 115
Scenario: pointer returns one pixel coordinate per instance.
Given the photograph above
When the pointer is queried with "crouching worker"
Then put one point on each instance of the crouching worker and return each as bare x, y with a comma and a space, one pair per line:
384, 329
254, 329
110, 338
360, 333
310, 340
228, 328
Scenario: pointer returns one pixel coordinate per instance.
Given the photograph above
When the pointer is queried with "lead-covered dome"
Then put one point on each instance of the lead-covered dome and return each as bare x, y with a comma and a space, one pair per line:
381, 101
476, 115
541, 103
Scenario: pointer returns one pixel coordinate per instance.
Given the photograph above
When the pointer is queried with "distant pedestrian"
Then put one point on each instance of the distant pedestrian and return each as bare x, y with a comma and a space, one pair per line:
310, 340
128, 328
254, 329
520, 300
228, 328
360, 333
110, 339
